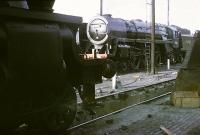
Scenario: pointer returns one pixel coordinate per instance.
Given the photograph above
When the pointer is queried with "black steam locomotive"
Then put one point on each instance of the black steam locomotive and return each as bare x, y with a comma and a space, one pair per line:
128, 43
41, 65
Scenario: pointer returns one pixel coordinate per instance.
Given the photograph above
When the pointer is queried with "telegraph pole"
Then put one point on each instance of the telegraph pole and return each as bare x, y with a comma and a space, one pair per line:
101, 7
168, 60
168, 13
153, 38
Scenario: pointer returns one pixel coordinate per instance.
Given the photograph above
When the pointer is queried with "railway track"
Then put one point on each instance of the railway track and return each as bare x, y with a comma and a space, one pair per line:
121, 101
114, 103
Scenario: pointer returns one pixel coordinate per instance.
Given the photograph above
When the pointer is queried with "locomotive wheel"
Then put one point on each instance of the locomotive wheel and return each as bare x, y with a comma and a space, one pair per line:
133, 63
59, 117
180, 57
158, 59
109, 69
138, 63
124, 67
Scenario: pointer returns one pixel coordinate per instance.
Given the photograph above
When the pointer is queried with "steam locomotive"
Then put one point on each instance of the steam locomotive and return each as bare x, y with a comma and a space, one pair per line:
41, 65
128, 42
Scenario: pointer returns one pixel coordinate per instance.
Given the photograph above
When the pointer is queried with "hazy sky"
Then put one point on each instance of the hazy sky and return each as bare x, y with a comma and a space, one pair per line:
184, 13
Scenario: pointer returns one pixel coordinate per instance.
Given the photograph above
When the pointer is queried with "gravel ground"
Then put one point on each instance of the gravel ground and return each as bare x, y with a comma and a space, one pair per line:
147, 120
134, 80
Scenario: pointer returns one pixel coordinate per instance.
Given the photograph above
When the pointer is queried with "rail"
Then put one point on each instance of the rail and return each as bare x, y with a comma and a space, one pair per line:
143, 101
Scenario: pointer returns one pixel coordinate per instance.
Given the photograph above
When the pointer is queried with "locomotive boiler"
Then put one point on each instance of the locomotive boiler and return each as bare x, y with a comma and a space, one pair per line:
40, 65
128, 42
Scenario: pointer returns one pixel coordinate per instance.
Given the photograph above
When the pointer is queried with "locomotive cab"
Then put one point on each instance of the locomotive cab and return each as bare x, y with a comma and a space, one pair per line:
174, 35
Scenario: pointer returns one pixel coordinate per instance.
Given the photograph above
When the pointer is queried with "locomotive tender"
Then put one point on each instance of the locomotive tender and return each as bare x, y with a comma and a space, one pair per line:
128, 42
40, 65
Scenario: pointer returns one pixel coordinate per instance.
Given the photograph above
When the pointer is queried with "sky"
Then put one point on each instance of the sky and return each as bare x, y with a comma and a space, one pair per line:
183, 13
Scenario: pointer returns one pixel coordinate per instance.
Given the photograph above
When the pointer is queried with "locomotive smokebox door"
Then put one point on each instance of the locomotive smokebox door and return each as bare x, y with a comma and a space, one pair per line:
187, 89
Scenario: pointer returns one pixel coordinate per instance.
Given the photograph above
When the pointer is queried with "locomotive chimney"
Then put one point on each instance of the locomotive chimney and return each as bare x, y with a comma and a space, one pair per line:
18, 3
107, 15
14, 3
41, 5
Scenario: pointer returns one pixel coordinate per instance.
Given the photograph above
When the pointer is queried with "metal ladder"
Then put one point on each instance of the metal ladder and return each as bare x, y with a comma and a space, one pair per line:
147, 54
